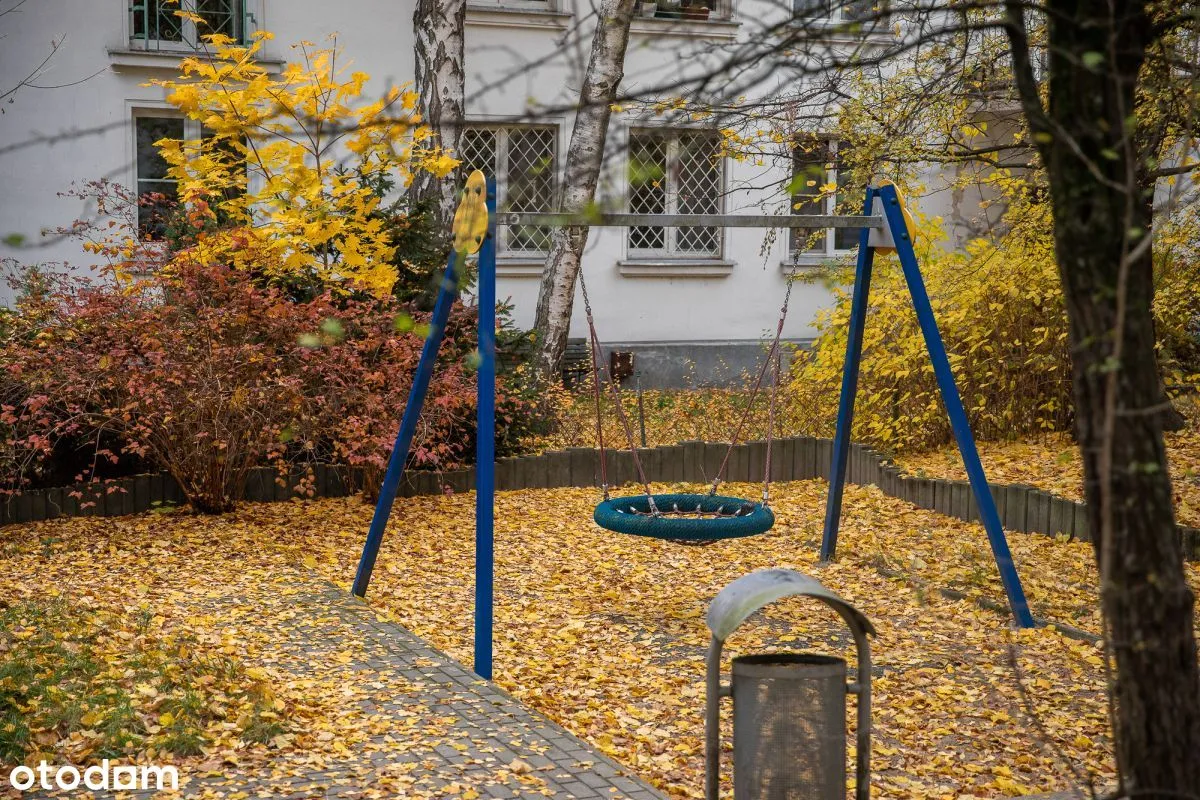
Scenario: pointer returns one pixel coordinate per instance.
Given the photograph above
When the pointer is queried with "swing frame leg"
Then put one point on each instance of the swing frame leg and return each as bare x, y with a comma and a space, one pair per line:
485, 447
845, 417
408, 426
894, 213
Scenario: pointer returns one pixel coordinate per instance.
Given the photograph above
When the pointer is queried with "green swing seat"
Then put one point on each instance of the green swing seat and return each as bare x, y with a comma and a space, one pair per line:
684, 517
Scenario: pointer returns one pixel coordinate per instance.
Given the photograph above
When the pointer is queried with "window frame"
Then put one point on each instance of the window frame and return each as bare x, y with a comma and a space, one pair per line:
671, 253
502, 130
189, 34
514, 5
191, 129
829, 205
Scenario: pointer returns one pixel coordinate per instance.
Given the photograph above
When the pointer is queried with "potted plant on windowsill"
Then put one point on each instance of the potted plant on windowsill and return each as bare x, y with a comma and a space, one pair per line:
695, 11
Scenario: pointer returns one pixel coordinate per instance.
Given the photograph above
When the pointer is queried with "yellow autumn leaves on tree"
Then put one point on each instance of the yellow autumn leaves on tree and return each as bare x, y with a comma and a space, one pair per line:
289, 172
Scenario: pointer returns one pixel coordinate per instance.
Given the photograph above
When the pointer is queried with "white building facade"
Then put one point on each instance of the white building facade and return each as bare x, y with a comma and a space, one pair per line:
692, 301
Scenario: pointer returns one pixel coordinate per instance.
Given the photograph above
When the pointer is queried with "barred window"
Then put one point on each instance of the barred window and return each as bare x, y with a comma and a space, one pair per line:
675, 172
523, 158
817, 164
158, 24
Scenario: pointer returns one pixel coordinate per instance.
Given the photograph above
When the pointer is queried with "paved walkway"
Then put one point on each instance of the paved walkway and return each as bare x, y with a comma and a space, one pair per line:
437, 730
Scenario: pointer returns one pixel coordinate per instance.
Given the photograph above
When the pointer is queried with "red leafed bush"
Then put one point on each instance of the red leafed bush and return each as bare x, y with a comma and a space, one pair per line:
197, 372
207, 372
358, 371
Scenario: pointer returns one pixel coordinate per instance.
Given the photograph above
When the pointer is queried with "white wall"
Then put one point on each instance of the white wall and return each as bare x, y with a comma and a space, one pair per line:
741, 305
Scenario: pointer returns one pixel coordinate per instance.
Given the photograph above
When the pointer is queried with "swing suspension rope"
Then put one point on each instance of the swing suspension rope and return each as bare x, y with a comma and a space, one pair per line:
616, 393
709, 506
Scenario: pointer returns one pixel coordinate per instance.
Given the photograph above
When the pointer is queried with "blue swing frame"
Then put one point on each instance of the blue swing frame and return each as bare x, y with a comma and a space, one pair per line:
486, 416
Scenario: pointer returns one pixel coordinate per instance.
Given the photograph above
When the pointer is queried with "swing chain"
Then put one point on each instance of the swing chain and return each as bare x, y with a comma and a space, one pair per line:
772, 355
766, 493
616, 393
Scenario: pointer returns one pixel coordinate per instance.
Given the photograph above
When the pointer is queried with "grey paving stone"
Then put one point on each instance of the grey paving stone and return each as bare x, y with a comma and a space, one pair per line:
492, 727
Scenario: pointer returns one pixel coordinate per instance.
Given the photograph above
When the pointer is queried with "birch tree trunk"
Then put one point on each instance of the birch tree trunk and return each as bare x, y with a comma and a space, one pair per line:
605, 69
438, 25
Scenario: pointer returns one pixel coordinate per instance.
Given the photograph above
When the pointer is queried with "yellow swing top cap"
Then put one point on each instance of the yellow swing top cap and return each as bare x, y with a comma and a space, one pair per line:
471, 216
908, 220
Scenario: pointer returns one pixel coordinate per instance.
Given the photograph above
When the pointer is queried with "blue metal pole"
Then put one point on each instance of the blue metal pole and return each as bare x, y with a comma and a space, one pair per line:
408, 426
845, 417
954, 408
485, 445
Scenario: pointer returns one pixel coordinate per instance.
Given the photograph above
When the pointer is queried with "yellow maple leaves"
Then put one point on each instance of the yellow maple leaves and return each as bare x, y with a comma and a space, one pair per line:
604, 634
289, 172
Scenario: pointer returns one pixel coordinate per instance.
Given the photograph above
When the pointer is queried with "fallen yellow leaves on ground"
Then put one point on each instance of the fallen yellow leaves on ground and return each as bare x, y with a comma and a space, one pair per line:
605, 634
1052, 463
89, 683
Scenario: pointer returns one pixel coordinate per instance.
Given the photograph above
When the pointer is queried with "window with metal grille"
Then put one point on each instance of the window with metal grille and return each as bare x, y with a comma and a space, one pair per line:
818, 186
524, 160
675, 172
158, 24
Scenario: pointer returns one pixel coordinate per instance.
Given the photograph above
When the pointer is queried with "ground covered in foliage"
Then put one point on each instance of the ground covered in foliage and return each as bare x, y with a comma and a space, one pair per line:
603, 633
1052, 463
1049, 461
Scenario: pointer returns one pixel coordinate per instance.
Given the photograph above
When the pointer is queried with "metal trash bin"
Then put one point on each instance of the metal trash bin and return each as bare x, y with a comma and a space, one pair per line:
789, 726
789, 709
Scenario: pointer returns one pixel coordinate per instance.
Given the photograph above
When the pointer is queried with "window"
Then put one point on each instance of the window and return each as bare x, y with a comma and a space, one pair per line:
523, 159
156, 192
833, 11
695, 10
675, 172
817, 164
157, 24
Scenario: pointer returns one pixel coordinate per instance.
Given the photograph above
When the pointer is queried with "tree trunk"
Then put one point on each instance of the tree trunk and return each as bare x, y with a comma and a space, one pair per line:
1101, 198
438, 25
605, 68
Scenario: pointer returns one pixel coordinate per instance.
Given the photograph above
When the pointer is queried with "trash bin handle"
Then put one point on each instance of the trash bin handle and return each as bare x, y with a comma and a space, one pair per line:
862, 756
712, 721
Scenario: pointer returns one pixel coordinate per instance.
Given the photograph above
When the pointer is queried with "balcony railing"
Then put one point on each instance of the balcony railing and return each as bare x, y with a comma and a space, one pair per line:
164, 25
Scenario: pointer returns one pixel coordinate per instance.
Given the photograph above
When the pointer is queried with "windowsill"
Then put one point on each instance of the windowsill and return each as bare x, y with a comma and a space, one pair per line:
501, 16
710, 28
808, 260
675, 267
519, 266
170, 58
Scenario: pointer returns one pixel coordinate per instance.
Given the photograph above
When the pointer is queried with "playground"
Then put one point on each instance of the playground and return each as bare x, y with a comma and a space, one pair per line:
235, 648
603, 634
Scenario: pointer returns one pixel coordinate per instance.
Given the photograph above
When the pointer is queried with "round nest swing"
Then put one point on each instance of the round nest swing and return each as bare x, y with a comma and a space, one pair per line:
683, 518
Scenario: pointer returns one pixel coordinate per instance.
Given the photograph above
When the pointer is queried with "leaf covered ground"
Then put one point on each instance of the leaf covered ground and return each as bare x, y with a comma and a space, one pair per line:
1052, 463
605, 633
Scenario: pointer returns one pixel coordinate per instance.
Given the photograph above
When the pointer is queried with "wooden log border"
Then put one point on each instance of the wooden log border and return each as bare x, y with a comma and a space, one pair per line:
1022, 508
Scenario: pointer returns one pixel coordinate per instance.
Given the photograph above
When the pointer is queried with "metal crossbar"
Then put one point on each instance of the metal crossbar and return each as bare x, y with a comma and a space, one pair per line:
622, 220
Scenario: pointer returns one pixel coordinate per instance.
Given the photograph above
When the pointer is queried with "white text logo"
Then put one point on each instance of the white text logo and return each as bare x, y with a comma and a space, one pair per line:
100, 776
